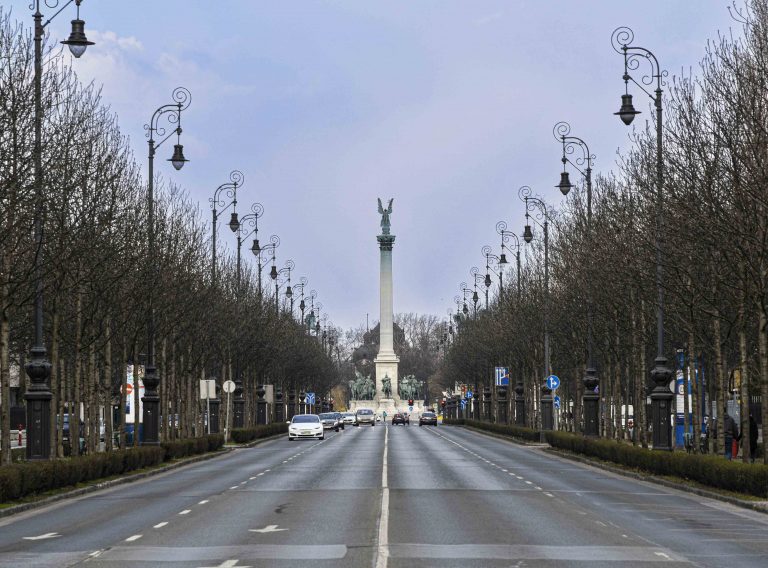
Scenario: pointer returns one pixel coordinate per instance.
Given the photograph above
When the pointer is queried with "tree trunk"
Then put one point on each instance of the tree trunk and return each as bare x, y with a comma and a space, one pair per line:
5, 386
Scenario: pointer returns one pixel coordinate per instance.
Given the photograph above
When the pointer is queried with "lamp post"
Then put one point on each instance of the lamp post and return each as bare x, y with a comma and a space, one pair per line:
479, 279
250, 220
256, 249
172, 114
38, 395
226, 190
562, 133
536, 205
501, 228
472, 294
275, 274
491, 258
299, 288
661, 396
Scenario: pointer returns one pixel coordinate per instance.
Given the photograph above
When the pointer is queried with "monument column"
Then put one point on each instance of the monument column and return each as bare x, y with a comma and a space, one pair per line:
386, 361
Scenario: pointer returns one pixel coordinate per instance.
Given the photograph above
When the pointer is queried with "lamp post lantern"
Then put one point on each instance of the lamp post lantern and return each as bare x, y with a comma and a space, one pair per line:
38, 395
562, 133
661, 396
172, 114
491, 258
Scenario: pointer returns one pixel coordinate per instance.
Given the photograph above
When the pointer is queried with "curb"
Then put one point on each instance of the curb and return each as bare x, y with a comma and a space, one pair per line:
15, 509
759, 506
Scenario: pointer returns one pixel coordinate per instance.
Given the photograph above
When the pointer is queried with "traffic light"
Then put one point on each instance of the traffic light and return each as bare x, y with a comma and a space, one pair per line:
410, 402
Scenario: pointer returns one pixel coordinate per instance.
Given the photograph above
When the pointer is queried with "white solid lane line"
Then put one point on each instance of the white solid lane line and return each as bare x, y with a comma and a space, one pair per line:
382, 552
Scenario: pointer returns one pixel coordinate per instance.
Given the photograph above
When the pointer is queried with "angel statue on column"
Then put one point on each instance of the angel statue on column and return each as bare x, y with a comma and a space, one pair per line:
385, 213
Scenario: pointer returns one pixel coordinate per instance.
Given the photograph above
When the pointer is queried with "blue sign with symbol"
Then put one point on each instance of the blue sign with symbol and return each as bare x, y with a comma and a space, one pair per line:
463, 403
553, 382
410, 409
502, 376
469, 394
557, 401
310, 398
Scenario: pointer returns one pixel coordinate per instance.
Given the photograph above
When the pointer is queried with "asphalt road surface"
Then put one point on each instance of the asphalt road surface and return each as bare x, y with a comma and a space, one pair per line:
380, 497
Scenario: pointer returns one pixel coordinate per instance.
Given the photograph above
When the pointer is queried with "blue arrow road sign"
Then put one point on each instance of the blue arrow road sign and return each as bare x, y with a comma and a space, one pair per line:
310, 398
557, 401
553, 382
469, 394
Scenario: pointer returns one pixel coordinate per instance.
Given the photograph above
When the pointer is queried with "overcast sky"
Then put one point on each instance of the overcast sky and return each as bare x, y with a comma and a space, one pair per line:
445, 105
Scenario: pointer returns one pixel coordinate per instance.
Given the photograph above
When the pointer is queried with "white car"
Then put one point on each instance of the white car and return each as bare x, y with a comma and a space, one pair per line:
348, 418
305, 426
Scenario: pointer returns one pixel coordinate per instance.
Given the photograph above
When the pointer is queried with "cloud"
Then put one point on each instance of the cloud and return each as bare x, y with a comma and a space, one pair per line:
487, 19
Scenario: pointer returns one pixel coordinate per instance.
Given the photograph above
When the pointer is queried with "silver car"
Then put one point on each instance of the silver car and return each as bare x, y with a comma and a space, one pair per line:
365, 416
330, 421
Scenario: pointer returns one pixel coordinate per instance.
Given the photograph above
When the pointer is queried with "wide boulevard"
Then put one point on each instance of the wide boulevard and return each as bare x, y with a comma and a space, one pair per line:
386, 496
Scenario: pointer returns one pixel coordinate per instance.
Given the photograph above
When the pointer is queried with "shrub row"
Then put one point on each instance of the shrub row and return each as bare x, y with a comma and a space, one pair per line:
520, 432
706, 469
192, 446
242, 435
29, 478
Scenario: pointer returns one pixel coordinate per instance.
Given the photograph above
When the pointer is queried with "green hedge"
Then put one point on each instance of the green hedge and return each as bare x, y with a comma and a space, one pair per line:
709, 470
520, 432
29, 478
242, 435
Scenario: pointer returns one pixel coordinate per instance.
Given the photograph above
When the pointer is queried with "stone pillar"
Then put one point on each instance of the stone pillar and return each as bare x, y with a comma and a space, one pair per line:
279, 405
302, 402
238, 406
213, 419
291, 403
261, 406
519, 404
591, 404
502, 405
547, 414
386, 361
487, 403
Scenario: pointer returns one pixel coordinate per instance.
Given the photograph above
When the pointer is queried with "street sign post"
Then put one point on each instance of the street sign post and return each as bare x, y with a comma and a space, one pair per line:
502, 376
310, 398
553, 382
229, 388
469, 394
557, 401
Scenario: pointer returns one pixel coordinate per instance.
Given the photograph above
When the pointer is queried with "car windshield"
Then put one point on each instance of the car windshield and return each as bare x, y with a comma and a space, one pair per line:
365, 411
305, 419
428, 415
327, 416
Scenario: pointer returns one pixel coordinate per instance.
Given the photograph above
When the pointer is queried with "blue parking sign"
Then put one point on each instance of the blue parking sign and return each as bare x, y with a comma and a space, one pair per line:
502, 376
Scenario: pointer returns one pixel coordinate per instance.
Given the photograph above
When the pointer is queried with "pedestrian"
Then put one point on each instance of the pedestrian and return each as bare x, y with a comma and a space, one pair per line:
752, 438
731, 432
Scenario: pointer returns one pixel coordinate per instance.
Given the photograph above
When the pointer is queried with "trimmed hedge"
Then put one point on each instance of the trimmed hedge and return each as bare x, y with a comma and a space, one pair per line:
527, 434
709, 470
243, 435
29, 478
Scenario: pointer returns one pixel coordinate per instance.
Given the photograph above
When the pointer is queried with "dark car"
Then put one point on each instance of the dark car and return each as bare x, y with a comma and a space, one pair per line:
339, 419
429, 418
398, 419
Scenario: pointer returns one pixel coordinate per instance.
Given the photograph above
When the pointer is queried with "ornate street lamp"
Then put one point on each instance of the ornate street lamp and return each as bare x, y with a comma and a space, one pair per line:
539, 209
275, 275
491, 258
501, 228
226, 191
257, 249
478, 279
38, 395
172, 114
248, 220
661, 397
562, 133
